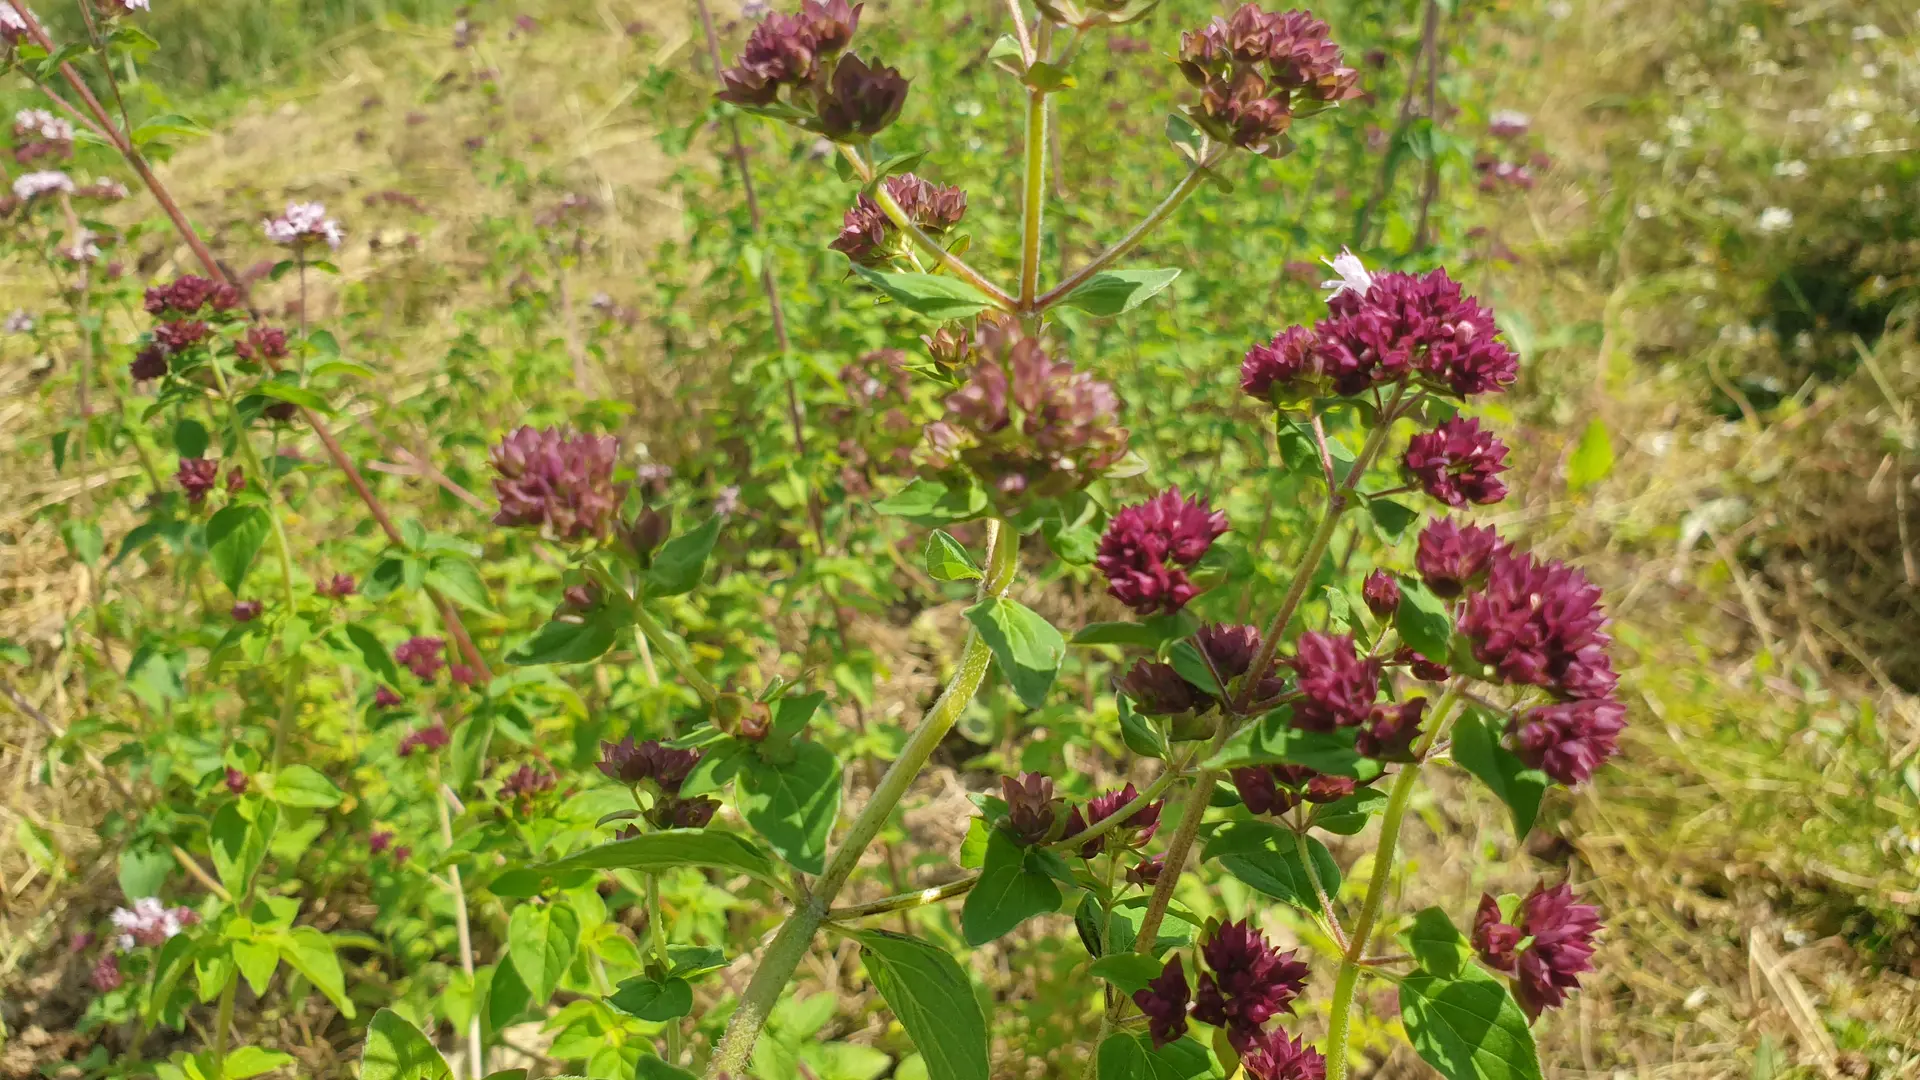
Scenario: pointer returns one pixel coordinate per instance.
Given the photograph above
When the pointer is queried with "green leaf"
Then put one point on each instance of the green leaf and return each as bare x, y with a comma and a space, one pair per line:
677, 566
1437, 946
1592, 458
84, 540
167, 124
458, 580
1129, 971
934, 1001
573, 640
1422, 621
282, 390
670, 849
239, 845
1139, 733
1126, 1056
507, 996
1393, 518
303, 785
1048, 78
940, 298
947, 559
653, 1068
234, 536
793, 804
1351, 814
374, 654
692, 961
468, 753
1026, 647
1117, 633
1477, 749
251, 1061
256, 961
717, 767
1008, 894
541, 939
1185, 137
324, 343
143, 871
655, 1000
791, 714
1267, 857
1116, 292
310, 952
1193, 667
929, 502
1275, 741
1461, 1020
396, 1050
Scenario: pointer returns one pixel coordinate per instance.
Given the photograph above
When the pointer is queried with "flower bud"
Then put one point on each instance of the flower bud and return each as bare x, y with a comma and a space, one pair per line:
1148, 549
1389, 733
1032, 809
1382, 594
1458, 463
861, 100
246, 611
1164, 1001
647, 532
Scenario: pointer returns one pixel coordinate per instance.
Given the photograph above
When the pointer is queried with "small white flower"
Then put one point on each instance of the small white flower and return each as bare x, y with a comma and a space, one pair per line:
1353, 275
1506, 123
34, 184
149, 922
18, 323
728, 501
1792, 170
1867, 32
39, 123
1775, 219
12, 26
303, 223
83, 248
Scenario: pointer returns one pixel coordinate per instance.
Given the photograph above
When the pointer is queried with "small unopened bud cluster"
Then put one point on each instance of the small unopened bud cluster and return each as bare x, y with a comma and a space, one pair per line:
795, 68
1228, 651
869, 238
1027, 425
1546, 947
664, 769
1244, 983
1258, 70
39, 135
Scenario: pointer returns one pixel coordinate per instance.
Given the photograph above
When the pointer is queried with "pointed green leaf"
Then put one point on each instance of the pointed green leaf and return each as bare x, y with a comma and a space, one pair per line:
651, 999
1592, 458
679, 563
1422, 621
574, 639
1267, 857
928, 502
1477, 749
669, 850
310, 952
1116, 292
1008, 894
934, 1001
947, 559
935, 297
1461, 1020
793, 804
234, 536
541, 939
1026, 647
396, 1050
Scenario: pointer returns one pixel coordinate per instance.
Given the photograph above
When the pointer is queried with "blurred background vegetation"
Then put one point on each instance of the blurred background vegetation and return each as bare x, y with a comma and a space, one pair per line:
1711, 280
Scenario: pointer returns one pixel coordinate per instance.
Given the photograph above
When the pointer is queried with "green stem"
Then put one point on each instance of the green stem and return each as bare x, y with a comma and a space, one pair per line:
1348, 979
783, 956
676, 654
657, 928
224, 1024
289, 705
476, 1050
905, 901
1319, 890
1033, 209
1152, 221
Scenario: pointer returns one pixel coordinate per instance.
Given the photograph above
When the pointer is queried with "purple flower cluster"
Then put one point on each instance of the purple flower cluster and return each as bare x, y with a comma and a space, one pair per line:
1258, 70
1273, 1055
1380, 329
385, 698
1165, 1001
339, 586
1032, 808
246, 610
1458, 463
632, 763
1229, 650
303, 226
1028, 426
1558, 934
188, 295
524, 783
429, 739
1389, 732
1336, 685
424, 656
1382, 594
196, 477
842, 97
1276, 789
1148, 548
1453, 560
1569, 740
261, 344
1248, 982
559, 481
1135, 831
39, 134
867, 235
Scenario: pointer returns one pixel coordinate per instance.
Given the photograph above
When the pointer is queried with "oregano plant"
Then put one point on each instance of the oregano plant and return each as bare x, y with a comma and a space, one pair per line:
605, 904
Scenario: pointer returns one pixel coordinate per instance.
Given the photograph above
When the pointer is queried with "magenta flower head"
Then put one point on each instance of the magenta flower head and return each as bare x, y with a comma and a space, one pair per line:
39, 134
1280, 364
424, 656
1570, 740
673, 812
1257, 70
1382, 594
1273, 1055
427, 738
106, 975
236, 781
262, 343
1540, 624
378, 842
187, 295
867, 236
339, 586
1389, 732
1158, 690
1269, 789
385, 698
246, 610
1164, 1002
180, 335
560, 482
1230, 650
196, 477
1453, 560
1028, 426
149, 362
1406, 325
789, 51
524, 783
631, 763
1148, 548
1458, 463
861, 100
1558, 934
1337, 687
1247, 983
1133, 832
1146, 872
1032, 808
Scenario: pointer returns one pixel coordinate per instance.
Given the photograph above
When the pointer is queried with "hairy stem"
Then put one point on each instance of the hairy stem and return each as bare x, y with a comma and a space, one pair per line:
1033, 209
790, 945
476, 1051
657, 930
1190, 183
898, 215
223, 1024
905, 901
1348, 979
1175, 859
676, 654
